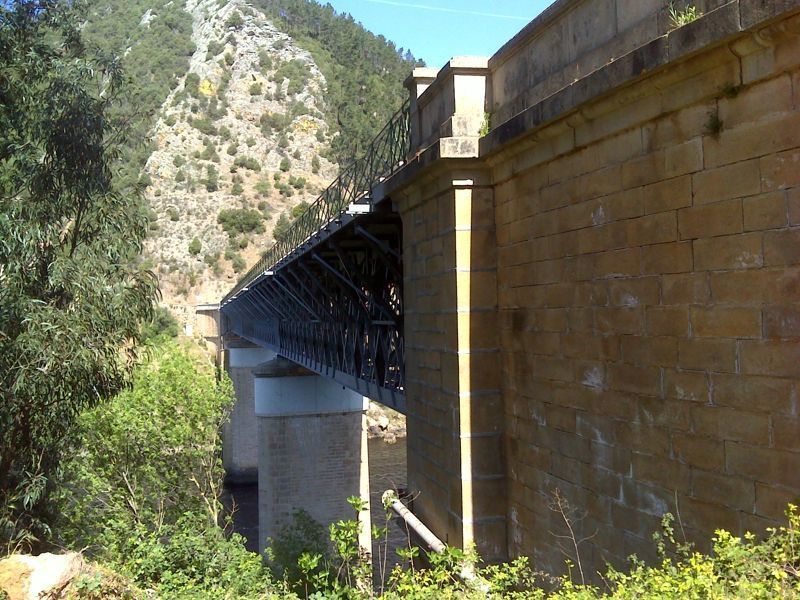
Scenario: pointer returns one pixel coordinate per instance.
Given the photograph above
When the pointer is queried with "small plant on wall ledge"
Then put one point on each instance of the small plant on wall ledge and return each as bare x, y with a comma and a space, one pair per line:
679, 18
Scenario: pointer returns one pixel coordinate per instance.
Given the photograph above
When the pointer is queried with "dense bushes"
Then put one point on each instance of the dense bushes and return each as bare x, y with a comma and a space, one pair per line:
161, 327
247, 162
296, 71
737, 568
143, 492
240, 220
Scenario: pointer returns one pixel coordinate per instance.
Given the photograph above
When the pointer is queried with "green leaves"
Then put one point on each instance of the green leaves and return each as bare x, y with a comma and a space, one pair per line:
71, 297
143, 493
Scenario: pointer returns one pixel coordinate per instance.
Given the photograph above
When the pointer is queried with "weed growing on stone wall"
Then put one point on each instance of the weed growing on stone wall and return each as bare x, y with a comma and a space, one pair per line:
569, 544
714, 124
486, 125
679, 18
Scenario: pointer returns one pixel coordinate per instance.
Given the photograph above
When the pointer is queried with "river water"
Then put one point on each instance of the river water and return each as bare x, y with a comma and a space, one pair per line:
387, 470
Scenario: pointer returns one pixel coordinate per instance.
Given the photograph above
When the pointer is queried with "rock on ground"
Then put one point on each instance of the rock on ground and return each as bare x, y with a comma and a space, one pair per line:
55, 576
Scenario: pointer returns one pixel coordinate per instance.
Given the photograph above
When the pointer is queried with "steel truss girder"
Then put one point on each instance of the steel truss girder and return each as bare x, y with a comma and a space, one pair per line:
336, 309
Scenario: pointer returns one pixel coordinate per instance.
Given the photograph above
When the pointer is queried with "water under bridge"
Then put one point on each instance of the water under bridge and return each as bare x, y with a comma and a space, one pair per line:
574, 267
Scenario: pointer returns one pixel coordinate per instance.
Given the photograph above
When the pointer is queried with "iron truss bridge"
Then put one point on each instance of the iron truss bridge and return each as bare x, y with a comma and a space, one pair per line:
328, 294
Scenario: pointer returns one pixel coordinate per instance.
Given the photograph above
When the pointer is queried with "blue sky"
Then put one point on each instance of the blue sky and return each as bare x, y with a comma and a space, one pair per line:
435, 30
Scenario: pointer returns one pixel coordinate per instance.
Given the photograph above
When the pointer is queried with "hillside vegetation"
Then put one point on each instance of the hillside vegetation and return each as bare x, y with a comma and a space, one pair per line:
241, 112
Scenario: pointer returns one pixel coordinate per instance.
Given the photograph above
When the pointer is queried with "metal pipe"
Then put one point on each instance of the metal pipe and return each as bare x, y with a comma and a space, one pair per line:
391, 500
467, 573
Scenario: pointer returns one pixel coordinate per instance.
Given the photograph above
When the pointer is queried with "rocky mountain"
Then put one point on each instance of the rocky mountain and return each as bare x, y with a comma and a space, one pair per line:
252, 106
238, 143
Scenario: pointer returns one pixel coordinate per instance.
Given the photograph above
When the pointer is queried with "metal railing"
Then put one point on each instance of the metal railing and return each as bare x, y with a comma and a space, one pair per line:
385, 154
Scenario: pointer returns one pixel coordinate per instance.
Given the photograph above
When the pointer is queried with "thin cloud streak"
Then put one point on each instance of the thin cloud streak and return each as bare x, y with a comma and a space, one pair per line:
448, 10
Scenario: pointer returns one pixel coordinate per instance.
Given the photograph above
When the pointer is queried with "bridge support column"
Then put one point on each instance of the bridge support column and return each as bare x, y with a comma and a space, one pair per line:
240, 433
453, 397
312, 449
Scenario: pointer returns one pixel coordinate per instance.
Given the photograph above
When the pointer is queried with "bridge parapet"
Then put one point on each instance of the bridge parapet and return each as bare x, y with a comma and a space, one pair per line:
573, 38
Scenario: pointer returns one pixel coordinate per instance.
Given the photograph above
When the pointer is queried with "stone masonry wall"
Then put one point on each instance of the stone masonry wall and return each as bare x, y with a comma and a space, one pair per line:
570, 40
454, 411
648, 277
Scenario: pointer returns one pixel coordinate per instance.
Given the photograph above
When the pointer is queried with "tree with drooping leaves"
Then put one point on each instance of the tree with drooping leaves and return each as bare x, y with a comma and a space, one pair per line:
72, 296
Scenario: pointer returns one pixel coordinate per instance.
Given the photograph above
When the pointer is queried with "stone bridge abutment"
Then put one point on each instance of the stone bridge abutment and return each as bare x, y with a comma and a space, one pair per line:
601, 291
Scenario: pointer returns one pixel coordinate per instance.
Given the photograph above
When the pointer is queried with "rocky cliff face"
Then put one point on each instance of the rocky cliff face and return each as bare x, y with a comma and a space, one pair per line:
239, 142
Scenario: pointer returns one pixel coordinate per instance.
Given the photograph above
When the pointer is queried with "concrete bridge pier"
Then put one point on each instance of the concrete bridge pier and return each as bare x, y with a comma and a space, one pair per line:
312, 448
240, 433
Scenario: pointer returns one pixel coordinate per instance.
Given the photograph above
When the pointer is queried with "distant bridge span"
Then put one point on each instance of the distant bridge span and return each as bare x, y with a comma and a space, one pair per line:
574, 267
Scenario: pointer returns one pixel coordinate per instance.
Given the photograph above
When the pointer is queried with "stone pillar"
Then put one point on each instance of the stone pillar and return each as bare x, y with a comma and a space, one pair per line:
240, 433
312, 448
454, 403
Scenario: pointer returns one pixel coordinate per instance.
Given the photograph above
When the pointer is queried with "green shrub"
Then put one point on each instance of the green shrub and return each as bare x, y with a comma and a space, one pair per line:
216, 110
212, 179
284, 189
263, 187
299, 209
247, 162
297, 183
214, 48
195, 246
237, 189
238, 264
285, 164
296, 71
315, 164
211, 260
180, 176
203, 125
143, 492
163, 325
264, 61
240, 220
270, 121
229, 58
234, 21
170, 120
255, 89
303, 535
209, 152
192, 84
232, 149
178, 160
297, 109
281, 226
